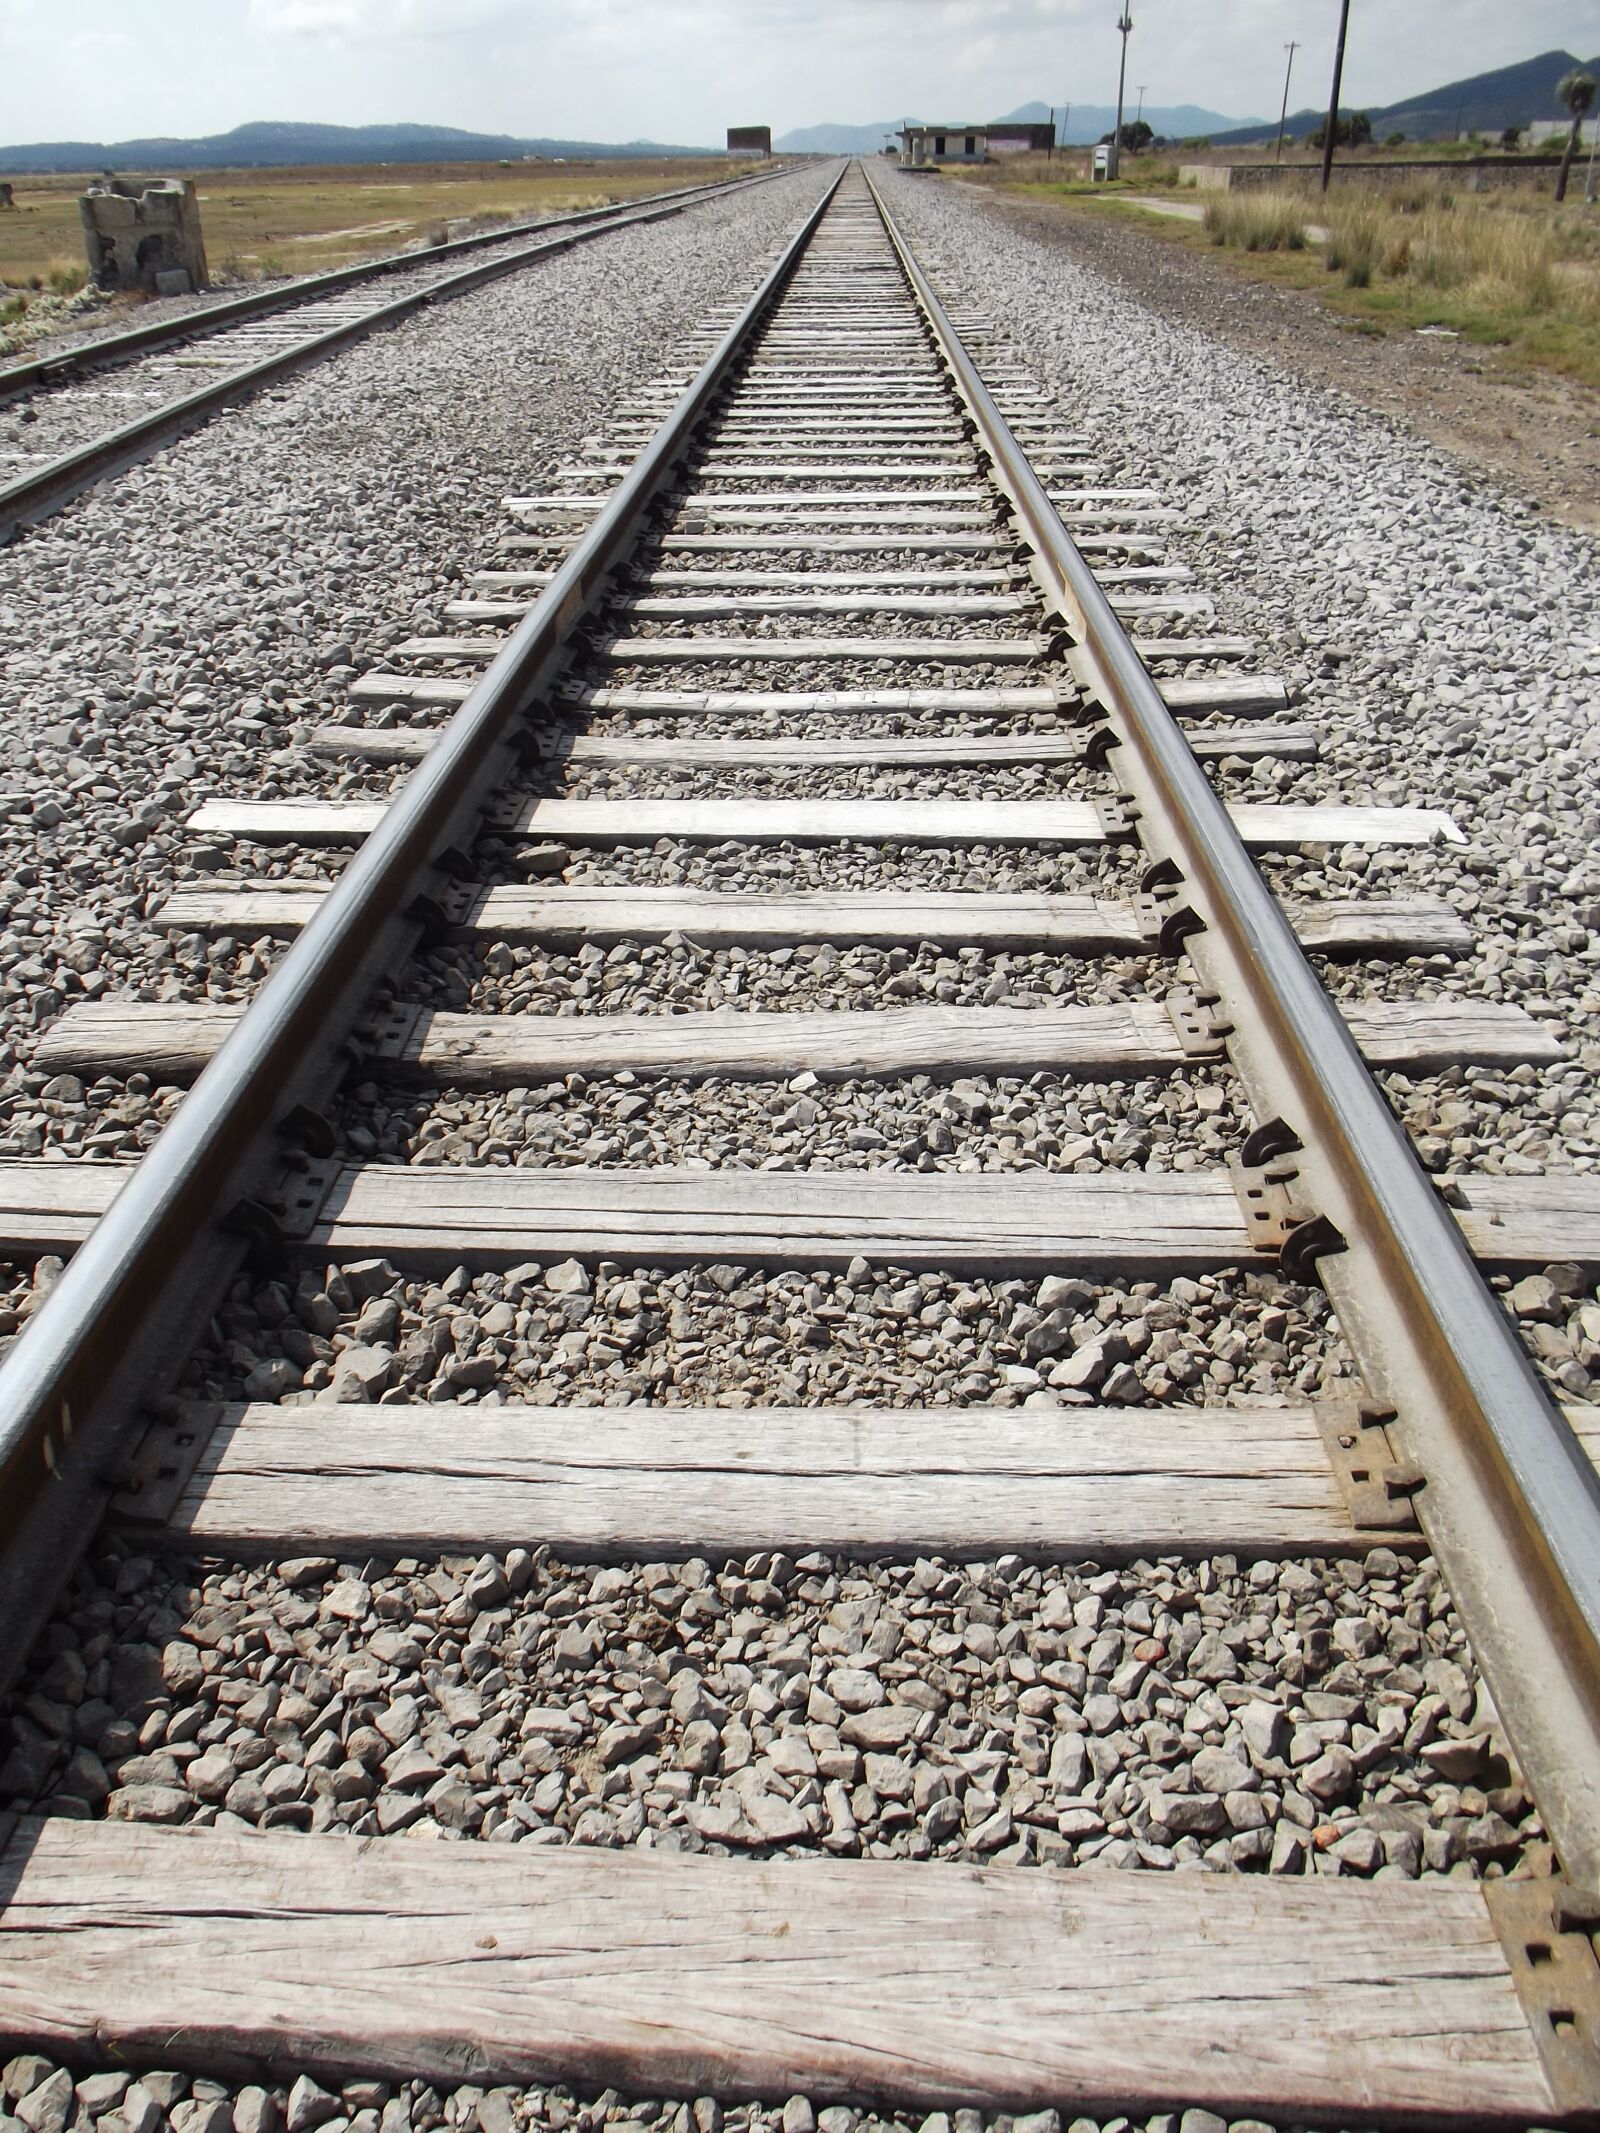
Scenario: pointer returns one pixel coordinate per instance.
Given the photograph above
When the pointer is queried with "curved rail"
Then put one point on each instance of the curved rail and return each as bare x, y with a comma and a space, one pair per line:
1511, 1504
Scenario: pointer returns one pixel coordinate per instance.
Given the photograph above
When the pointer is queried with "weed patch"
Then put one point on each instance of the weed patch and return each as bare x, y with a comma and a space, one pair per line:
1258, 222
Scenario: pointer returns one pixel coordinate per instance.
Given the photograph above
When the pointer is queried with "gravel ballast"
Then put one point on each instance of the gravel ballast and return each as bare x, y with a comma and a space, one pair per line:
1440, 637
180, 630
149, 2099
1300, 1718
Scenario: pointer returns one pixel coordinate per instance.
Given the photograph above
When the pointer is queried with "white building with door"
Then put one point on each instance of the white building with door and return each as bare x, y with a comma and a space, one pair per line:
926, 147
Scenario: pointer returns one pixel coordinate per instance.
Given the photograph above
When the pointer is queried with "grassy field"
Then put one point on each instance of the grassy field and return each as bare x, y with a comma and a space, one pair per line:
1509, 271
271, 222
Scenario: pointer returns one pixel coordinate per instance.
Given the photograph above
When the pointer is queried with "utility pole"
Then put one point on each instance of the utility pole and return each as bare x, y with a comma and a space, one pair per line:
1332, 127
1124, 24
1283, 115
1139, 114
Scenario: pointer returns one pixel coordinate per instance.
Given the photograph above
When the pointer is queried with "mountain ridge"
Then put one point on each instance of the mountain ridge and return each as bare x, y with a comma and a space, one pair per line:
1482, 103
276, 143
1485, 103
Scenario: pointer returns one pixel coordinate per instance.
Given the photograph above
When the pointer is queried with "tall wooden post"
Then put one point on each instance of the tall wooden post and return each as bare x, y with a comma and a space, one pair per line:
1332, 126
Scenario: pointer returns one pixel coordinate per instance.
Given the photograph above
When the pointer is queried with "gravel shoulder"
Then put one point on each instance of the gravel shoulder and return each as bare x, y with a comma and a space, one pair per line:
1537, 434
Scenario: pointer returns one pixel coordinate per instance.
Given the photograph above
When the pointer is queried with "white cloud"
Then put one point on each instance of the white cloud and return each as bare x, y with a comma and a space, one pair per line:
680, 70
371, 21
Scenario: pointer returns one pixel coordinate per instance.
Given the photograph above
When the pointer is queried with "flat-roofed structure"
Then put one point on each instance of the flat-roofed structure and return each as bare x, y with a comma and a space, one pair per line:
924, 147
750, 140
927, 147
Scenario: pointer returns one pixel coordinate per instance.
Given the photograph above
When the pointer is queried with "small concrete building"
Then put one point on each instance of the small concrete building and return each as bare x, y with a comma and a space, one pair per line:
927, 147
750, 141
146, 240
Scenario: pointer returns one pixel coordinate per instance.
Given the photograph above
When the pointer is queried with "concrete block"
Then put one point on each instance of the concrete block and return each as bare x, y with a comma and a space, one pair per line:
138, 240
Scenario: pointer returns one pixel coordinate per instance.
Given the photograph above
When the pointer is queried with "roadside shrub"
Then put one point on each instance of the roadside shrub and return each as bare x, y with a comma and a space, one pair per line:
1258, 222
65, 277
1397, 259
1356, 240
1513, 261
1416, 197
1504, 261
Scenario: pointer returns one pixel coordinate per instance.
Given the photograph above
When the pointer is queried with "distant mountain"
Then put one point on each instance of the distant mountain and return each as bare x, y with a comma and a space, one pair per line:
1085, 123
1483, 103
269, 143
837, 140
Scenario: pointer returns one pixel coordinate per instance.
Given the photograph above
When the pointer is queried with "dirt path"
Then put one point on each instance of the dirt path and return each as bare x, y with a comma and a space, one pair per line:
1539, 434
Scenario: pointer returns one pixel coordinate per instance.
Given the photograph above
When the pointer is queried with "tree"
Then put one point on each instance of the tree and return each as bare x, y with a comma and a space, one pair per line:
1577, 91
1354, 130
1511, 137
1136, 134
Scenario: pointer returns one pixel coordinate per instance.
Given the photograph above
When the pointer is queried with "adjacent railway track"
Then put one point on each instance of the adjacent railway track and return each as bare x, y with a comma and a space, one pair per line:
249, 342
832, 720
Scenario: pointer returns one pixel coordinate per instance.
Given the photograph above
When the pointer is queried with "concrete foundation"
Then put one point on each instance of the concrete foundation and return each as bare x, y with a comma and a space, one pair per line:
147, 240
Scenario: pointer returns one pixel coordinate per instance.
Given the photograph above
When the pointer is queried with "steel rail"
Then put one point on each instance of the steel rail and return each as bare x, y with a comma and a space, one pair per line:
128, 1307
25, 502
1510, 1502
311, 288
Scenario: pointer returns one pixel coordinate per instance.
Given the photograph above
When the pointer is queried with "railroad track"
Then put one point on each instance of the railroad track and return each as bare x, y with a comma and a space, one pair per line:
831, 721
162, 380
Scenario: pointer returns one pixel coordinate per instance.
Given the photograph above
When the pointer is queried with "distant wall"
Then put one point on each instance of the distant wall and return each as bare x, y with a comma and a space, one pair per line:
1481, 175
1543, 131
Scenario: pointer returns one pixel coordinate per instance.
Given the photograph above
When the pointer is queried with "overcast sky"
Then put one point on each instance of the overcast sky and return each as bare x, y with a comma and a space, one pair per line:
682, 70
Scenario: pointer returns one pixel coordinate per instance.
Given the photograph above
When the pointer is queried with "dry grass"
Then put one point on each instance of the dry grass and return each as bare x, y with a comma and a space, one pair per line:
1507, 270
65, 277
1517, 260
1067, 166
1258, 222
1357, 238
296, 221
